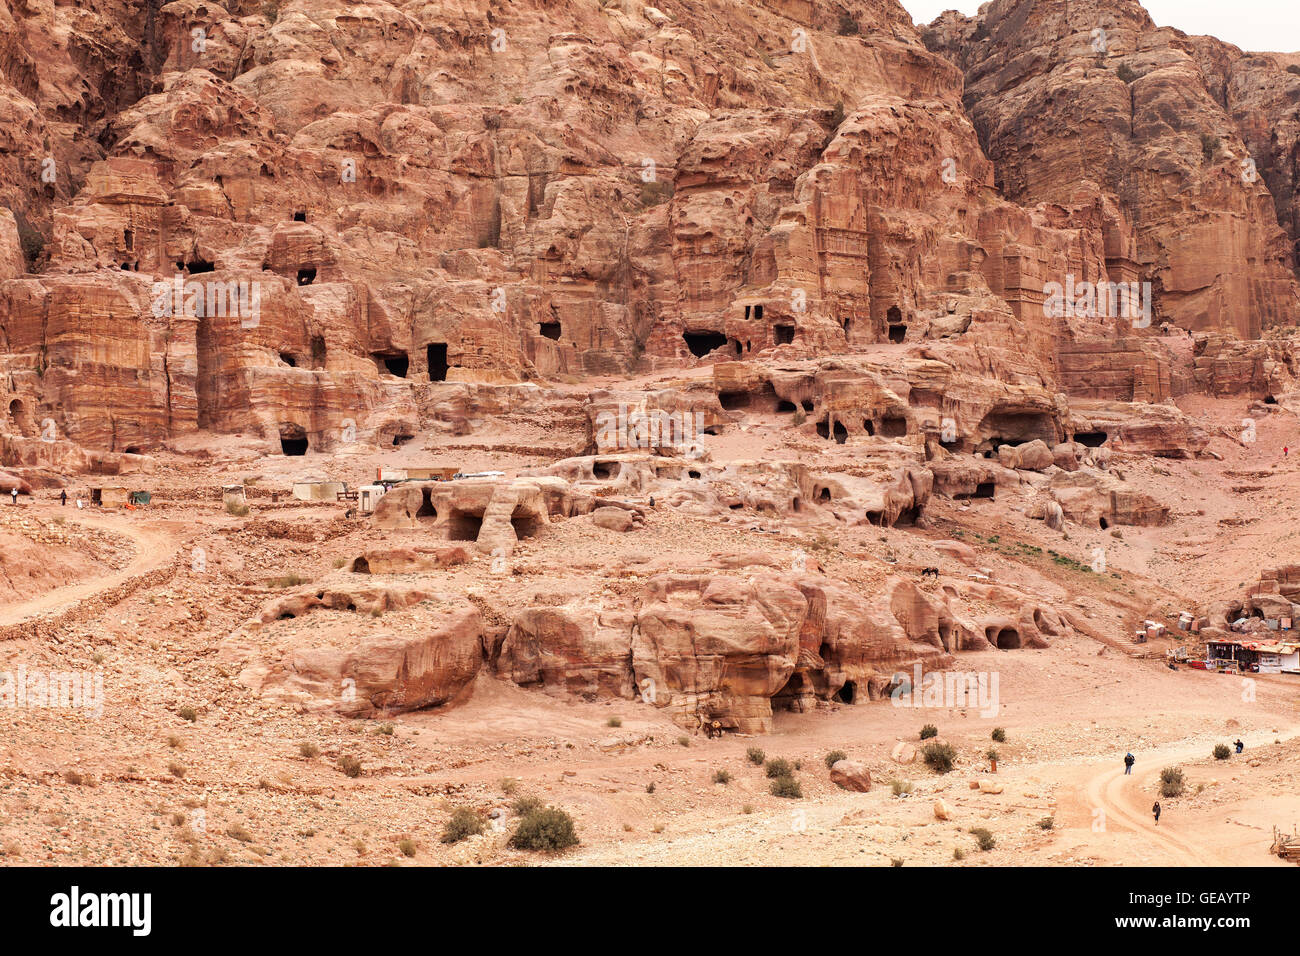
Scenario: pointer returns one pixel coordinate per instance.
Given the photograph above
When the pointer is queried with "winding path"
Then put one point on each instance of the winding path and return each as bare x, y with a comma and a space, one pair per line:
153, 549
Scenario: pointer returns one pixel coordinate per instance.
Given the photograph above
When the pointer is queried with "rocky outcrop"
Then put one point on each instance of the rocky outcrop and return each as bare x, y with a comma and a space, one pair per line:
1211, 248
370, 673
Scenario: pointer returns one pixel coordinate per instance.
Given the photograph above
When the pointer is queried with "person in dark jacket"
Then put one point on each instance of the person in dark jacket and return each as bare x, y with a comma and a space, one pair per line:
1155, 809
1128, 763
1239, 745
63, 497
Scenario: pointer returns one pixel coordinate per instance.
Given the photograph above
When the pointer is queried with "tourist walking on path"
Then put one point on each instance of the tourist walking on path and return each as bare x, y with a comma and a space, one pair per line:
63, 498
1128, 763
14, 494
1155, 809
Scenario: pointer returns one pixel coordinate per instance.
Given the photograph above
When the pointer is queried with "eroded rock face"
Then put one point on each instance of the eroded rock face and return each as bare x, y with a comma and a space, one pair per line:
1212, 247
370, 673
568, 643
245, 245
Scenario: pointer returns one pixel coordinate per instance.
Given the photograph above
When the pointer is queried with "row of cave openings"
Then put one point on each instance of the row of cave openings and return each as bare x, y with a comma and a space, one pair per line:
394, 362
703, 342
1004, 637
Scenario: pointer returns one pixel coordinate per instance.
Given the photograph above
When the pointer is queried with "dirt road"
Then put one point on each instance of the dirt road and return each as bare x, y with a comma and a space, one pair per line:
154, 547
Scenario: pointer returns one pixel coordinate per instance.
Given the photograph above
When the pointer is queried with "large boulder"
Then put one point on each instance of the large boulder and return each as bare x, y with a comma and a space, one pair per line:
851, 775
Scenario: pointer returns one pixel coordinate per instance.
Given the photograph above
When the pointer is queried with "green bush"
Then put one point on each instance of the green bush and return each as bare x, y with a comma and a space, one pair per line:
984, 838
834, 757
1222, 751
778, 767
1172, 783
756, 756
549, 830
999, 735
939, 757
787, 787
928, 731
464, 823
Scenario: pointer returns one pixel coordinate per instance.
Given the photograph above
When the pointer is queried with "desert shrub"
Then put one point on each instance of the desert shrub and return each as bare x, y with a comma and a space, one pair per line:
984, 838
509, 786
407, 847
176, 769
614, 722
900, 787
848, 26
526, 805
939, 757
236, 509
350, 765
1172, 782
756, 756
1210, 146
287, 581
958, 853
385, 729
72, 777
895, 861
308, 749
464, 823
787, 787
928, 731
992, 755
684, 741
722, 777
1126, 73
238, 832
548, 829
834, 757
1222, 751
1047, 823
188, 713
999, 735
650, 787
655, 193
778, 767
837, 119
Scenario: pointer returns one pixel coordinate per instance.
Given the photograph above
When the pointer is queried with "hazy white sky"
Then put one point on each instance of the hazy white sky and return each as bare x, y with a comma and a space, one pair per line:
1265, 25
